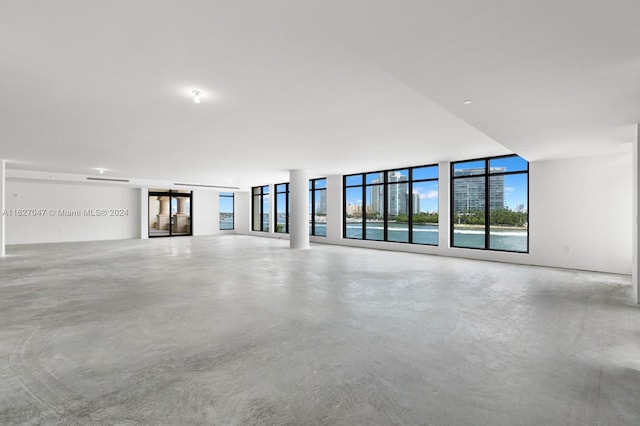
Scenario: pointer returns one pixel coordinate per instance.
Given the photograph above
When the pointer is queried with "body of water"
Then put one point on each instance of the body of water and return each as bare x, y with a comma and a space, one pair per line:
499, 239
226, 223
397, 232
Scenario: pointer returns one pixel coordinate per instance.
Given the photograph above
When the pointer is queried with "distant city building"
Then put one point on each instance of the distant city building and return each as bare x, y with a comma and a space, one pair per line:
398, 192
376, 198
470, 193
416, 203
321, 203
397, 197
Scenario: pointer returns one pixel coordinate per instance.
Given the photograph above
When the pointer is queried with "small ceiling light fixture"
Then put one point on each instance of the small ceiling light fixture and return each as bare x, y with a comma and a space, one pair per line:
468, 101
196, 96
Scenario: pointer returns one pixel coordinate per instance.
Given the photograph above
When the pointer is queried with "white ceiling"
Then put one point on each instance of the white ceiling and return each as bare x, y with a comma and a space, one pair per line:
332, 86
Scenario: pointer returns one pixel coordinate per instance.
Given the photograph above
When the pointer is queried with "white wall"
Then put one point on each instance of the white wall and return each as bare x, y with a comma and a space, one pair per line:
53, 226
634, 219
206, 212
242, 212
334, 209
3, 239
581, 213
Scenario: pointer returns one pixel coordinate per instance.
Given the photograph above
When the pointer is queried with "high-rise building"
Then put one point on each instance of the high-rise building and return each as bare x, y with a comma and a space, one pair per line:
398, 191
470, 193
376, 198
321, 203
416, 202
397, 199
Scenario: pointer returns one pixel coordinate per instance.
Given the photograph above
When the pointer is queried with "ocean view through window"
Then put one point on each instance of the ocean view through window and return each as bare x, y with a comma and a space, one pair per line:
318, 207
282, 208
226, 211
490, 204
260, 208
398, 205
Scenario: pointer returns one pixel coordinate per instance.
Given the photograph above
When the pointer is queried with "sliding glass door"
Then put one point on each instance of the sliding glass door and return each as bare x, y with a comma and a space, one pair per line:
169, 213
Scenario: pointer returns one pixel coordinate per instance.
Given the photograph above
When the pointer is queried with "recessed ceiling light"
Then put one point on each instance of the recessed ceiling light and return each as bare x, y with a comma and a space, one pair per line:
196, 96
468, 101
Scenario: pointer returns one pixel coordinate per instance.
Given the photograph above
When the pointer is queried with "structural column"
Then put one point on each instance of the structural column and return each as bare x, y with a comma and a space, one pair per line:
3, 206
334, 209
299, 209
635, 273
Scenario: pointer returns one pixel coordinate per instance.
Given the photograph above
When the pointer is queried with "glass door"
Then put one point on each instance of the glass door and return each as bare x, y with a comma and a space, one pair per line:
169, 213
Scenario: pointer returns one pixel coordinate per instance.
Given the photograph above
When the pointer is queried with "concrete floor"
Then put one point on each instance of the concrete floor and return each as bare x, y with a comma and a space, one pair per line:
242, 330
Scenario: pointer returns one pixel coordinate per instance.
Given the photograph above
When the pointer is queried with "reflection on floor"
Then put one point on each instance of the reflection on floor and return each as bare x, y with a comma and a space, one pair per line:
242, 330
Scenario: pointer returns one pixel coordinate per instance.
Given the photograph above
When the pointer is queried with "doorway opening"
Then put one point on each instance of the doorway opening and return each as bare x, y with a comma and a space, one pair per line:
170, 213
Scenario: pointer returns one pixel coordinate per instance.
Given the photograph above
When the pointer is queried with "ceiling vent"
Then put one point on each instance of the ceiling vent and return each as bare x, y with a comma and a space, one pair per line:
206, 186
108, 179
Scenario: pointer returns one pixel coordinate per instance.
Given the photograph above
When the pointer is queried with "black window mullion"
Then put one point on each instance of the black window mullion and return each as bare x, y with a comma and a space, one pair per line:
451, 204
410, 207
261, 210
385, 212
487, 204
170, 215
344, 206
364, 206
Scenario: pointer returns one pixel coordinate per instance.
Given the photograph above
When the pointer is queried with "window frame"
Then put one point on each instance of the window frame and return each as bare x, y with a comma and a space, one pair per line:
173, 193
487, 200
385, 194
261, 195
312, 194
286, 207
410, 213
233, 210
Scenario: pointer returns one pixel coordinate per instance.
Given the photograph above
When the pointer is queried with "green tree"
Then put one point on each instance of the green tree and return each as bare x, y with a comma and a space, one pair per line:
423, 217
505, 217
472, 217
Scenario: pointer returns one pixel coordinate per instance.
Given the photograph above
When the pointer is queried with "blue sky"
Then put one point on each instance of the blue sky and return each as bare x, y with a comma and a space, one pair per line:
515, 191
515, 186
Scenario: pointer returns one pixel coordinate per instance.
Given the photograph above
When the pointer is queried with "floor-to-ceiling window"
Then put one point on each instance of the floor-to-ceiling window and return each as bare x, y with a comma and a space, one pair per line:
353, 202
318, 207
260, 208
424, 205
399, 205
170, 213
282, 208
226, 210
373, 214
490, 204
